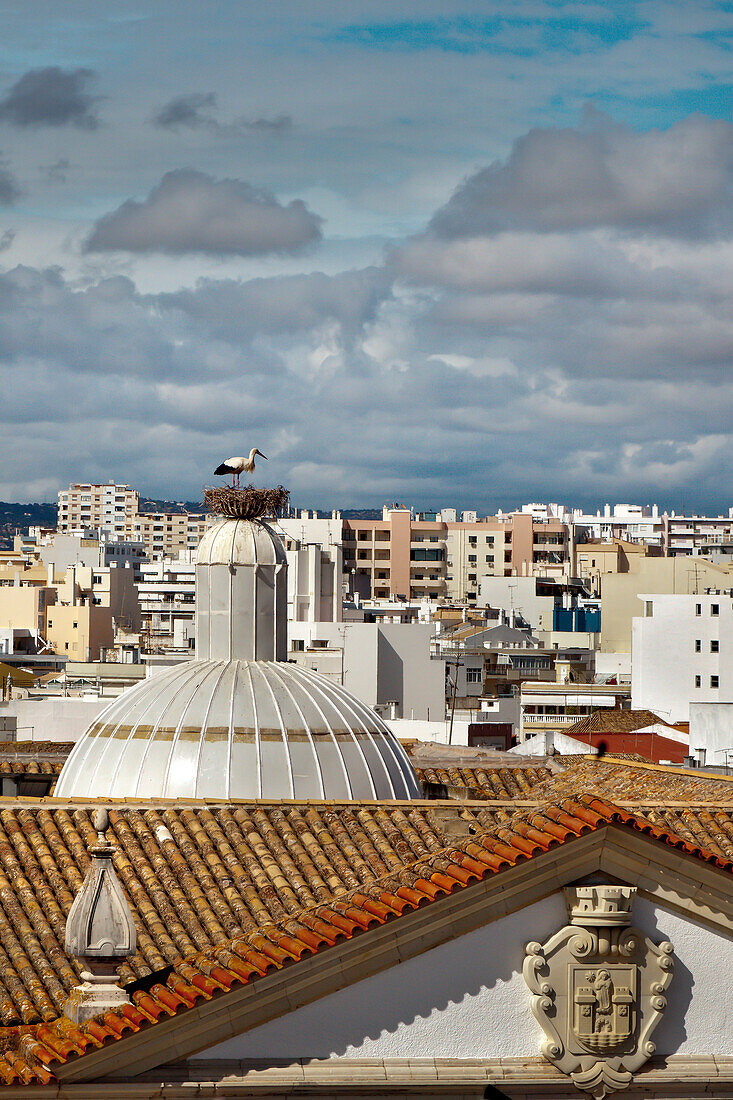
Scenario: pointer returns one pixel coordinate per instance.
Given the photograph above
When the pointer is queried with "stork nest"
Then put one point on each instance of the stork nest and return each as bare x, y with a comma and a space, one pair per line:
247, 503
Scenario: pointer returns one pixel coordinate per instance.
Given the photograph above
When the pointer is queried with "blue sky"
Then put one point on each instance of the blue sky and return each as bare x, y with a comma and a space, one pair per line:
473, 253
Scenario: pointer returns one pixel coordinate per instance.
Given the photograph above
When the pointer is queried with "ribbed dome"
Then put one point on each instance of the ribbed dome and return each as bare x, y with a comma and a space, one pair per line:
240, 542
238, 729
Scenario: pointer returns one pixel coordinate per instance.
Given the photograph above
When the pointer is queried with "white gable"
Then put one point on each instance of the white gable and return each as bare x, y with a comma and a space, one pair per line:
468, 999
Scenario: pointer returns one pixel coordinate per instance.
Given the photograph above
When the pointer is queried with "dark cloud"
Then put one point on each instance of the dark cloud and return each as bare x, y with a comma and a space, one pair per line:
568, 397
281, 124
56, 172
193, 212
287, 304
678, 182
187, 110
51, 97
197, 111
6, 239
9, 189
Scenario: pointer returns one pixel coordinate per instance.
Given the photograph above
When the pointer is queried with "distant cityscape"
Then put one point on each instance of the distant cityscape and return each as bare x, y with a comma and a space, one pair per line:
542, 627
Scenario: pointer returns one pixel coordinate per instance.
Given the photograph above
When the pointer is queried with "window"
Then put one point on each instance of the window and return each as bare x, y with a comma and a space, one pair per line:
472, 540
714, 681
698, 681
698, 645
472, 559
698, 609
490, 558
298, 645
473, 675
715, 646
649, 608
714, 608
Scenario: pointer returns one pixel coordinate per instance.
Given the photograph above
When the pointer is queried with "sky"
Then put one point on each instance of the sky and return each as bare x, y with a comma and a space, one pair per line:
451, 254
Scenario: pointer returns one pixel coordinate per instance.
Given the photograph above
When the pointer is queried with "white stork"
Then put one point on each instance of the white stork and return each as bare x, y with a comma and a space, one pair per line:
238, 465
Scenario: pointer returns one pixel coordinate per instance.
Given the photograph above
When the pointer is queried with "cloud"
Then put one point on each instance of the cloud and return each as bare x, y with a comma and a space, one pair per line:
197, 111
51, 97
283, 305
9, 189
56, 172
193, 212
6, 239
674, 182
187, 110
280, 124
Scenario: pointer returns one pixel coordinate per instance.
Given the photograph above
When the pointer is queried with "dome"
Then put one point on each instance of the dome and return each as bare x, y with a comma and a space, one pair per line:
240, 542
238, 729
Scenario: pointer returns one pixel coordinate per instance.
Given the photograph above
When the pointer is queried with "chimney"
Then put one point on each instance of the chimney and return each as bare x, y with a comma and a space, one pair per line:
100, 931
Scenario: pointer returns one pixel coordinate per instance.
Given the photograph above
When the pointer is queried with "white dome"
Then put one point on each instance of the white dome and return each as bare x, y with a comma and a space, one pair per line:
238, 729
240, 542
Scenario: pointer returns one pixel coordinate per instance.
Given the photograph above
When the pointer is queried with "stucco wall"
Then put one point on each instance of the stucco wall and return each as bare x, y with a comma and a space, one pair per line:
55, 719
468, 999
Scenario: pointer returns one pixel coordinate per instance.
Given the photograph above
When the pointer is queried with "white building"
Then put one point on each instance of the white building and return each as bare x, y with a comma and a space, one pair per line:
631, 522
315, 567
386, 665
549, 708
681, 648
167, 593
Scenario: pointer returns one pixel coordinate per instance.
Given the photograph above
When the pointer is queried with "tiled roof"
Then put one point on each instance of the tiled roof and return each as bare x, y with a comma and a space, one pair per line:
632, 781
223, 894
614, 721
501, 782
27, 758
626, 777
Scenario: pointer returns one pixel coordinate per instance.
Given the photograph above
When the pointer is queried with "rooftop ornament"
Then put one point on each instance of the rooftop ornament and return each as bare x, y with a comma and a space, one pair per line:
100, 931
247, 503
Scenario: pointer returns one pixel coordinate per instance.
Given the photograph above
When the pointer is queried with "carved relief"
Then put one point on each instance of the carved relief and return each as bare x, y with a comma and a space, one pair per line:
598, 990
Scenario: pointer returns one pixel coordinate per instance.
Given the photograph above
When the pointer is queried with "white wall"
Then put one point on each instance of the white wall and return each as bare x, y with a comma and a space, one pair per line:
711, 728
518, 594
381, 663
614, 664
468, 999
664, 661
413, 729
56, 719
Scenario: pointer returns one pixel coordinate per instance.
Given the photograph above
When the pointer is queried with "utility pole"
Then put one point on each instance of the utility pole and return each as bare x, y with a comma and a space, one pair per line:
453, 701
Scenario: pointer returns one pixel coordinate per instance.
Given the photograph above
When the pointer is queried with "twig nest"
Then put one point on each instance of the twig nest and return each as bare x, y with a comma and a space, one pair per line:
247, 503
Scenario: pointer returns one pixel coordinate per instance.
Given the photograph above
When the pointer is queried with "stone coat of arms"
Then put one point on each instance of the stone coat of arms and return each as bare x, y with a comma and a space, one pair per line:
598, 990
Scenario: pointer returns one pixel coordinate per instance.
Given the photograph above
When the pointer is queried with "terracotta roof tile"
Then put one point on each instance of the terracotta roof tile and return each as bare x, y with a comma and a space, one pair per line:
226, 893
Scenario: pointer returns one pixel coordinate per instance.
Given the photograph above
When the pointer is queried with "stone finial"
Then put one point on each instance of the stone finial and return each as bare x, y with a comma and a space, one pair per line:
99, 930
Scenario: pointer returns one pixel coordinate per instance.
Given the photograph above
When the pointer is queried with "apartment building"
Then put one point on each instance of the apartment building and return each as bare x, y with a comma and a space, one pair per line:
550, 708
596, 559
166, 534
315, 566
114, 510
429, 556
167, 592
397, 556
697, 535
630, 522
681, 650
105, 507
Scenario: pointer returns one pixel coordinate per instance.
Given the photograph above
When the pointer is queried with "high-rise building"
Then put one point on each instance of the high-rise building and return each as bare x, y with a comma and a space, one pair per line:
105, 507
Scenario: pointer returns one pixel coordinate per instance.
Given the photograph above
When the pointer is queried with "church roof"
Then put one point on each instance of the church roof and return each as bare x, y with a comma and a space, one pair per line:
226, 893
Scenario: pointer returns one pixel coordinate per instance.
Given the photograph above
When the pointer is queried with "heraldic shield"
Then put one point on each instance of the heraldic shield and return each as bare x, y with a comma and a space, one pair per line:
598, 990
